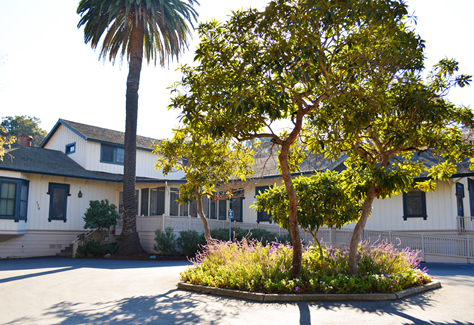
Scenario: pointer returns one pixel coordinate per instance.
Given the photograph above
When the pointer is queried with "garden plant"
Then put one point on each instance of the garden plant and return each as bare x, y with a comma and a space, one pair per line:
251, 266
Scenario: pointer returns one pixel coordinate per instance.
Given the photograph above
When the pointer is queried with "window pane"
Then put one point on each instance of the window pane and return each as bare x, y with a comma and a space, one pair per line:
183, 210
193, 209
213, 210
107, 153
144, 206
120, 155
415, 203
237, 208
7, 199
174, 205
58, 207
222, 210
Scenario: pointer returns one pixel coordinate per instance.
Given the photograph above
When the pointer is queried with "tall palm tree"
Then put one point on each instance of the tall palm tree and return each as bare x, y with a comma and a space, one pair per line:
156, 29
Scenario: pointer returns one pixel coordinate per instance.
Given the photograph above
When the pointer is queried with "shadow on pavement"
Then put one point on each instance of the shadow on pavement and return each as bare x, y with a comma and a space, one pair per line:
61, 264
173, 307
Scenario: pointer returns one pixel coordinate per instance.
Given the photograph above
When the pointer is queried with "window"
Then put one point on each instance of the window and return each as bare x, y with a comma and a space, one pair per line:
13, 198
112, 154
236, 206
262, 215
70, 148
177, 209
222, 209
157, 201
58, 194
144, 203
414, 204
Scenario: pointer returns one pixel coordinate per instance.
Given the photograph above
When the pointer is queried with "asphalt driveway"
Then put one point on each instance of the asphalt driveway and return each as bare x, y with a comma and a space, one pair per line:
88, 291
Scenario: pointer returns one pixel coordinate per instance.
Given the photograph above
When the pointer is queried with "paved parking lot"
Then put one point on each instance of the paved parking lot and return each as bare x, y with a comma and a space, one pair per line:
88, 291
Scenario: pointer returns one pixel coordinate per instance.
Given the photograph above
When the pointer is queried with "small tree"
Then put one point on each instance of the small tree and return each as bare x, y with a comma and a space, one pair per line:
207, 163
101, 215
322, 202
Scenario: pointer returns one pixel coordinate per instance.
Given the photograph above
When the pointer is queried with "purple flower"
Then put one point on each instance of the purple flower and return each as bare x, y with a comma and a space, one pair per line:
297, 288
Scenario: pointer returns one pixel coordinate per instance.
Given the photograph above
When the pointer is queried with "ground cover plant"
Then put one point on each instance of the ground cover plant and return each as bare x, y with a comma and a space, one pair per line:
251, 266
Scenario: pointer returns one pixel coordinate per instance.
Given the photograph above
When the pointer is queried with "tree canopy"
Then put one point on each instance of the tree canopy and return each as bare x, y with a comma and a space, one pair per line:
285, 63
12, 125
207, 164
384, 122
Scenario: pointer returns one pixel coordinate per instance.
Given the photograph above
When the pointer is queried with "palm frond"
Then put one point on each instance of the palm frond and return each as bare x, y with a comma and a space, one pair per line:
167, 25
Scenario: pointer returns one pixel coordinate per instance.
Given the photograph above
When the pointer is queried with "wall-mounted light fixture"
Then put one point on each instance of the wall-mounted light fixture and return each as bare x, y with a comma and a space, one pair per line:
79, 195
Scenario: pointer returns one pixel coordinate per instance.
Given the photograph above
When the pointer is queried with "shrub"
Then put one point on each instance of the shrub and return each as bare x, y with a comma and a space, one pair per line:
100, 215
165, 242
189, 241
249, 265
95, 248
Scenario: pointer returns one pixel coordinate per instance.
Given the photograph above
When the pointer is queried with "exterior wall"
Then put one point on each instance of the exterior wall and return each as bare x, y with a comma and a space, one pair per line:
37, 243
387, 214
38, 201
65, 136
38, 236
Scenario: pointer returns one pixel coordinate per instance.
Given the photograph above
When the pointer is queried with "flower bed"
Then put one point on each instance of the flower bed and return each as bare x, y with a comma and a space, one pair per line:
250, 266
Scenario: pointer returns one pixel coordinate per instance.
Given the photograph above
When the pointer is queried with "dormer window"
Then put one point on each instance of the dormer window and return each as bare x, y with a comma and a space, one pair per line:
110, 154
70, 148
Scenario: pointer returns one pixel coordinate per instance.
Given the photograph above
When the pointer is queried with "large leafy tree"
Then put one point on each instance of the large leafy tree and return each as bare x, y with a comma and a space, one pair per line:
384, 123
283, 64
13, 125
154, 29
209, 165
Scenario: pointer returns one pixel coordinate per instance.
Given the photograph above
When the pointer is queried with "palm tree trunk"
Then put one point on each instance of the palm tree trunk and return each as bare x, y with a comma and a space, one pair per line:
130, 241
293, 210
354, 245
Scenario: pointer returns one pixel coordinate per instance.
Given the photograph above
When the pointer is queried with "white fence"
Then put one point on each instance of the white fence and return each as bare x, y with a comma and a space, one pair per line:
458, 246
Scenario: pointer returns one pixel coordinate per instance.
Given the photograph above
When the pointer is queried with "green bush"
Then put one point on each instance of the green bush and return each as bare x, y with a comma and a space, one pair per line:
100, 215
165, 242
95, 248
189, 242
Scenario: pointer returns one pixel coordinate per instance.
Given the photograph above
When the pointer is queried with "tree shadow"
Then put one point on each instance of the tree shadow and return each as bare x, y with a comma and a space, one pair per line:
60, 264
173, 307
400, 308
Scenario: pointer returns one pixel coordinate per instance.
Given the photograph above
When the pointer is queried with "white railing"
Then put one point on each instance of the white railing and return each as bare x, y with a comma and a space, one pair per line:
442, 245
80, 241
465, 224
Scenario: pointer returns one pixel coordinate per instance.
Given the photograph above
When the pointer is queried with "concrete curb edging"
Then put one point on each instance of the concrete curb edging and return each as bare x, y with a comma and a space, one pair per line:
270, 297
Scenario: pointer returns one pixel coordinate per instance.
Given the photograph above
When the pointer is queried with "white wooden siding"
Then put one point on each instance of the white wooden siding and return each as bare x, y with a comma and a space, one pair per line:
64, 136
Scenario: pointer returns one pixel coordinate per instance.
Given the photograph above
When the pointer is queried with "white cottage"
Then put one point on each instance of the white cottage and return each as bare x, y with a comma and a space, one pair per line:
44, 193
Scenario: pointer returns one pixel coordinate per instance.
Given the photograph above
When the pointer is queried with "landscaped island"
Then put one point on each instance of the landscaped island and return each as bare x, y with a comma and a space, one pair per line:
251, 266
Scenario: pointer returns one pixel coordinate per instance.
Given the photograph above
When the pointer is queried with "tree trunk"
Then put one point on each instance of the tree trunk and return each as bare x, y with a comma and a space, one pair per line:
130, 241
293, 210
207, 230
354, 246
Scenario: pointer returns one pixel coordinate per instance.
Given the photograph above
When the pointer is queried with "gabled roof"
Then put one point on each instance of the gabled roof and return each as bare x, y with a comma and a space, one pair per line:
56, 163
97, 134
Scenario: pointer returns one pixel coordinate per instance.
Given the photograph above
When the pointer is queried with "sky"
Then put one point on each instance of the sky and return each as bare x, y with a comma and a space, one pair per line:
47, 71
